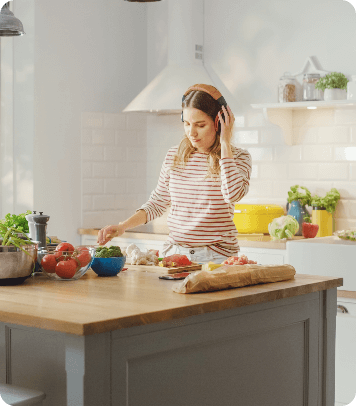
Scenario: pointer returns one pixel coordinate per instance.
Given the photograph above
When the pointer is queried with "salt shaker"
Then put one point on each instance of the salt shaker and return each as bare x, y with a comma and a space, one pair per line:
287, 88
40, 229
31, 225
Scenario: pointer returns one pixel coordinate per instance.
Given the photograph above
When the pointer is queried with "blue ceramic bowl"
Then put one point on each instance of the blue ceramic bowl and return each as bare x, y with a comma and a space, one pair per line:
108, 266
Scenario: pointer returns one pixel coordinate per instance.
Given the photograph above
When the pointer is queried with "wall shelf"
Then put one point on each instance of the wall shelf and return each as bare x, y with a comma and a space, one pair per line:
281, 114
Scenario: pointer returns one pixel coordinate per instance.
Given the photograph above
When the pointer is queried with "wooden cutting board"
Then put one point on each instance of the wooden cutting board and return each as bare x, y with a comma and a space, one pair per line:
164, 270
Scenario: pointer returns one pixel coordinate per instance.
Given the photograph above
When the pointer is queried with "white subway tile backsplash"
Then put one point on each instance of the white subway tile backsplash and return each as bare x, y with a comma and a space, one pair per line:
136, 121
92, 120
125, 170
115, 186
301, 171
93, 186
255, 172
92, 153
274, 171
333, 171
353, 171
345, 154
255, 118
136, 186
314, 153
345, 116
346, 209
344, 224
239, 120
347, 190
87, 203
103, 170
127, 201
87, 170
115, 120
125, 138
260, 154
104, 202
306, 135
114, 153
136, 154
288, 153
245, 137
115, 216
353, 134
87, 136
122, 155
93, 219
104, 136
272, 136
260, 188
333, 135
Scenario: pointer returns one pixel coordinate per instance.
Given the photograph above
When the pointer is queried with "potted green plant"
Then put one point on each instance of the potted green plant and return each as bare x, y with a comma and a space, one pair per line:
323, 210
334, 86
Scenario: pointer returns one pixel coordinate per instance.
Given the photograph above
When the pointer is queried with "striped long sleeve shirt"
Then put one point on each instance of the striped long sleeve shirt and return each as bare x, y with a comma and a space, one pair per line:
201, 208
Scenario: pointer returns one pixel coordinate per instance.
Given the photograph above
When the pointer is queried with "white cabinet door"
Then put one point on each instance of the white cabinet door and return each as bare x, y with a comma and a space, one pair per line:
345, 353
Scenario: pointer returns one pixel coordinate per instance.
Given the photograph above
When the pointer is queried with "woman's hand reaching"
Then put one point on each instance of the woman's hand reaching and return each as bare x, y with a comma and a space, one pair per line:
109, 232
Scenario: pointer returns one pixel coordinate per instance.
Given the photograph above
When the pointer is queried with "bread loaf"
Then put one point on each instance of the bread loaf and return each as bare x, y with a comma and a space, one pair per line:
234, 276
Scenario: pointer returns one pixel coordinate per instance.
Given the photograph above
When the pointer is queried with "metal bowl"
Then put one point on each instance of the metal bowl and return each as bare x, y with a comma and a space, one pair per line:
16, 265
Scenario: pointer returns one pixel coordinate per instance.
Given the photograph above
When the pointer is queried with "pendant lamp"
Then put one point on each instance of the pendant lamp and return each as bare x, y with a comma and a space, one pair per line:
10, 26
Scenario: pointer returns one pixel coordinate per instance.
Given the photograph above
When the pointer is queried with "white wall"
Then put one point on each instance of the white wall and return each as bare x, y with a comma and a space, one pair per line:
85, 56
248, 46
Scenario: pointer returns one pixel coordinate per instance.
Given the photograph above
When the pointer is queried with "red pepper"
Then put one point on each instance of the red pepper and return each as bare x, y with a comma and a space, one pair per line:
310, 230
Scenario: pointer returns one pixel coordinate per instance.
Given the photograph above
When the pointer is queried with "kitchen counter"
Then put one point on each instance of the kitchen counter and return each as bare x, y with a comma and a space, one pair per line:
121, 340
94, 305
245, 240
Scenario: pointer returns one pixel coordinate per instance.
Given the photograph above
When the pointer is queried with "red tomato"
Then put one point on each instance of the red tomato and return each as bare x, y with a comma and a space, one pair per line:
64, 246
49, 263
66, 269
84, 256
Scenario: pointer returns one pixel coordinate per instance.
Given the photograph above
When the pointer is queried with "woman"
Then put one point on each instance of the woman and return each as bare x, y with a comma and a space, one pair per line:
200, 180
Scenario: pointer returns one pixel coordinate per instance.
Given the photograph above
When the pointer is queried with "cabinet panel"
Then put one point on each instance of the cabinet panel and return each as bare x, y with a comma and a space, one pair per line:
259, 358
345, 354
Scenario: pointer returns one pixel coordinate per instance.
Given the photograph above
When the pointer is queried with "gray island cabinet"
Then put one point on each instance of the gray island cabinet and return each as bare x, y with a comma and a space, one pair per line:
131, 341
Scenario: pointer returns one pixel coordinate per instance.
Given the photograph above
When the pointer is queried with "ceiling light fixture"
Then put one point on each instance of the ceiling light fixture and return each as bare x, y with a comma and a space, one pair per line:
10, 26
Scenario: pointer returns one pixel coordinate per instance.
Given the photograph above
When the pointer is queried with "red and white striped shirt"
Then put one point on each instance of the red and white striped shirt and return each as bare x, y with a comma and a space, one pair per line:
201, 208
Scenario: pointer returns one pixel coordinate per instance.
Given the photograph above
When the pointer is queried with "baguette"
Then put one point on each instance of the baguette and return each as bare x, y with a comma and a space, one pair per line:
234, 276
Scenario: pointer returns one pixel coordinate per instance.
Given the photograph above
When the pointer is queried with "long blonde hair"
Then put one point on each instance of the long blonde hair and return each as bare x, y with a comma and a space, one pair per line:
204, 102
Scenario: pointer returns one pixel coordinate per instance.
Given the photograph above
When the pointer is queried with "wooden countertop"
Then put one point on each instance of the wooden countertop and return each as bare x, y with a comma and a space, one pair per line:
245, 240
94, 304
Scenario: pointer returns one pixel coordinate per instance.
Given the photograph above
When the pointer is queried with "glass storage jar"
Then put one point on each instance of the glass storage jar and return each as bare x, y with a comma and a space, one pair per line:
351, 88
287, 88
309, 91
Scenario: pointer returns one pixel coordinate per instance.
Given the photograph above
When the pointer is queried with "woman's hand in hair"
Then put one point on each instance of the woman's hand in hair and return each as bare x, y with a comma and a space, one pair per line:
226, 118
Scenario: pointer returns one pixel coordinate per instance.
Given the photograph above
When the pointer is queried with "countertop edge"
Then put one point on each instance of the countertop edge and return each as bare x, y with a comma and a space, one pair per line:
103, 326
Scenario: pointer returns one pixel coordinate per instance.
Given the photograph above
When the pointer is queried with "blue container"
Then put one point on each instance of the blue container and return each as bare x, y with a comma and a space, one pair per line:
108, 266
298, 211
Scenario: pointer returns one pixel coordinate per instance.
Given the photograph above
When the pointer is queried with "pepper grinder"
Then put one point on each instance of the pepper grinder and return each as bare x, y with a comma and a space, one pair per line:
31, 225
40, 229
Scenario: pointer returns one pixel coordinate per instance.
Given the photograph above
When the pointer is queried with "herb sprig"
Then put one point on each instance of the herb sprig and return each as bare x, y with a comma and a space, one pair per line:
329, 202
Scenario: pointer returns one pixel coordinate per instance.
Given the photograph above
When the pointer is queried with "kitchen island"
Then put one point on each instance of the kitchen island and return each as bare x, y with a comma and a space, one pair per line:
131, 340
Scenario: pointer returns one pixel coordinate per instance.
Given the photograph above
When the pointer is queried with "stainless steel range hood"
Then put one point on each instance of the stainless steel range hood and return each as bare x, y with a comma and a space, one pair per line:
185, 60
